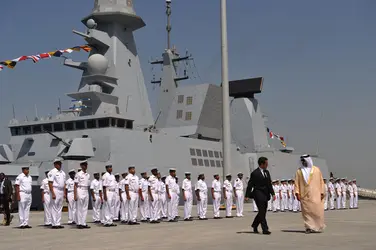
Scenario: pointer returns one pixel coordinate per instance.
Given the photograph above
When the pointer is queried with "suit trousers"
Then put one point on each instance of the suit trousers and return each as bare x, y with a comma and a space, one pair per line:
262, 205
4, 200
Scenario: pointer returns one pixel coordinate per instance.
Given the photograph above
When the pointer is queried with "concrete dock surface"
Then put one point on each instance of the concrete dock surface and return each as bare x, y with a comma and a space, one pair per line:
346, 230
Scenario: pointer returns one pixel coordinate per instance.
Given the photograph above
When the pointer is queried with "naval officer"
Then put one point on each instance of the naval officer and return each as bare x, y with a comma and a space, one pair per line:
188, 197
239, 195
117, 198
133, 191
56, 183
124, 207
23, 193
153, 196
96, 197
81, 195
144, 198
201, 190
216, 196
46, 199
109, 185
71, 200
171, 194
227, 194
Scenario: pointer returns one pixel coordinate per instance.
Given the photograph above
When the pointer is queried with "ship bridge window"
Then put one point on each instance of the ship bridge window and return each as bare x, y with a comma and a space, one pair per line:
129, 125
204, 153
206, 162
58, 127
194, 161
47, 127
180, 98
121, 123
200, 162
91, 124
189, 100
113, 122
212, 163
80, 125
211, 154
69, 126
220, 153
216, 154
188, 116
37, 129
192, 151
27, 130
179, 114
15, 131
103, 123
198, 152
218, 164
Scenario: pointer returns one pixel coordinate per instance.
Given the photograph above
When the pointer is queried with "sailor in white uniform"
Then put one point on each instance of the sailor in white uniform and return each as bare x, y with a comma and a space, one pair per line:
96, 197
153, 196
277, 191
133, 191
355, 188
117, 198
188, 197
344, 192
284, 197
331, 193
338, 194
104, 203
295, 205
239, 194
81, 193
162, 198
70, 198
124, 206
227, 195
201, 190
56, 183
326, 198
109, 186
216, 192
290, 194
350, 191
171, 194
144, 198
23, 185
176, 204
46, 199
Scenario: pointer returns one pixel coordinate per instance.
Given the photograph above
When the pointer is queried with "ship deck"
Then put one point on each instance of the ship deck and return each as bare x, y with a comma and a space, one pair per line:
346, 229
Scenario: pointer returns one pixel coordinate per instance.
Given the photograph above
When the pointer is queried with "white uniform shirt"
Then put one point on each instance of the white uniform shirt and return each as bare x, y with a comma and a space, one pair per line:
133, 182
331, 188
117, 186
284, 189
350, 189
238, 184
122, 185
338, 187
355, 188
326, 188
187, 185
162, 188
202, 187
177, 188
343, 187
144, 184
82, 179
109, 181
24, 182
276, 189
69, 185
228, 186
170, 182
57, 177
153, 184
44, 185
96, 186
216, 185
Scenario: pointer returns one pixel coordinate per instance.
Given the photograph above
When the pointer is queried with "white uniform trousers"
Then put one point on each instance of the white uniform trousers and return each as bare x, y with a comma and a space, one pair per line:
331, 201
344, 200
239, 202
96, 208
351, 201
270, 206
102, 211
57, 206
255, 208
284, 205
124, 208
154, 205
356, 200
47, 208
216, 204
109, 207
339, 201
290, 202
203, 206
144, 206
326, 198
188, 204
117, 206
176, 205
162, 205
277, 203
170, 205
24, 208
82, 205
72, 216
229, 202
133, 206
295, 204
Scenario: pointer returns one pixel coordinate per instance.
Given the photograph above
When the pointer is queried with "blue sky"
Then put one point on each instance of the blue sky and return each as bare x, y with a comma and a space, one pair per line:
316, 56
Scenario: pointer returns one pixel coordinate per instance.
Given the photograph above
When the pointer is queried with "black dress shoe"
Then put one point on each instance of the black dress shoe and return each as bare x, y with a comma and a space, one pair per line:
60, 227
80, 227
308, 231
22, 227
229, 217
266, 232
27, 226
85, 227
255, 230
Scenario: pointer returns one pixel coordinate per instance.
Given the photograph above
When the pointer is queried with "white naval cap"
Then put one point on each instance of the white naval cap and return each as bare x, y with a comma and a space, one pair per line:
240, 173
72, 171
227, 175
187, 173
117, 174
83, 162
96, 173
354, 180
108, 164
201, 174
58, 159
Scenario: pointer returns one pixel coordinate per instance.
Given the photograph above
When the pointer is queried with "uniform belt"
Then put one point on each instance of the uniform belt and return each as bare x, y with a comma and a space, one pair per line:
239, 189
136, 192
26, 192
70, 191
59, 188
217, 191
83, 187
111, 189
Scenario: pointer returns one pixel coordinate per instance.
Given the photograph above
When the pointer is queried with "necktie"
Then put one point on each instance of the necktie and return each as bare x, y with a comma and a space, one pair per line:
264, 171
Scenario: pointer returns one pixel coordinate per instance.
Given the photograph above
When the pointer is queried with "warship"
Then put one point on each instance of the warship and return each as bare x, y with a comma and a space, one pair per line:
111, 118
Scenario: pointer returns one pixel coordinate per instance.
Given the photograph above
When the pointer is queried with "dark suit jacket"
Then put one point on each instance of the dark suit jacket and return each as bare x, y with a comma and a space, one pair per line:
259, 184
8, 189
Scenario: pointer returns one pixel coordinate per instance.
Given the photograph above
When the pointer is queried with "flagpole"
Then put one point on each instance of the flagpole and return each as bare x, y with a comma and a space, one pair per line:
226, 132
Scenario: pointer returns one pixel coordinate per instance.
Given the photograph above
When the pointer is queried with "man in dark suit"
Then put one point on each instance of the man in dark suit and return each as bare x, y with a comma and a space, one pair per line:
260, 189
6, 192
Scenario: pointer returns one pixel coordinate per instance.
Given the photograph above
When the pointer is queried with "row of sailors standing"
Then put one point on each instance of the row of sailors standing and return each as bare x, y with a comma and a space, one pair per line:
337, 190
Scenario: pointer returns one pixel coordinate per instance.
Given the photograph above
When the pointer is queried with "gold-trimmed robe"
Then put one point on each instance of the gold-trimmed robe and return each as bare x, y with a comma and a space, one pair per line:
310, 198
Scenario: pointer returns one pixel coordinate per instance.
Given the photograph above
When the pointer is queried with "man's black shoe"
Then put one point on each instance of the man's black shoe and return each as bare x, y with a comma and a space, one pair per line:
255, 230
266, 232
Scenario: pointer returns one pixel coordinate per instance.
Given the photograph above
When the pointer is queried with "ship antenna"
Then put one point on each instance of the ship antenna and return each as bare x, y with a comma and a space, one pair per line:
168, 27
14, 112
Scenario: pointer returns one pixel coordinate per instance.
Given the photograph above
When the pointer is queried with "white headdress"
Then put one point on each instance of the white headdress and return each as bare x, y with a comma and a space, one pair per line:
307, 159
